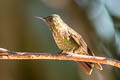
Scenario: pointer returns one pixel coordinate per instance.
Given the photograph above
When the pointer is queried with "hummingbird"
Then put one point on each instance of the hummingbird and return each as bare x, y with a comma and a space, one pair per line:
69, 41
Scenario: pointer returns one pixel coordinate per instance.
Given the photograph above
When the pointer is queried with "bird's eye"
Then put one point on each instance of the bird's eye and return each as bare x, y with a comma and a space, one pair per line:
51, 19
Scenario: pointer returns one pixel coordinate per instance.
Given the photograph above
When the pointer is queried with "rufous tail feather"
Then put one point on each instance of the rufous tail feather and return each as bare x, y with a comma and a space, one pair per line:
86, 67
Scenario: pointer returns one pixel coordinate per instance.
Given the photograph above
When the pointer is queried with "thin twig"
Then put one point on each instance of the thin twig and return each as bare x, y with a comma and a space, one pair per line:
6, 54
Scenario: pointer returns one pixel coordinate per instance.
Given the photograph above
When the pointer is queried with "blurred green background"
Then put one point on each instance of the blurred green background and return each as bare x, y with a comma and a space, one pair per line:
98, 21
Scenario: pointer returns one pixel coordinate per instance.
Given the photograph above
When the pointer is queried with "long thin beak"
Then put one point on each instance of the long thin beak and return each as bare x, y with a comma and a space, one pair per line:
41, 18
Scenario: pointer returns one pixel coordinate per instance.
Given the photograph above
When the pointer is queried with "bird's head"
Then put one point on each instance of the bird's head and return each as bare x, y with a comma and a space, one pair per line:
52, 20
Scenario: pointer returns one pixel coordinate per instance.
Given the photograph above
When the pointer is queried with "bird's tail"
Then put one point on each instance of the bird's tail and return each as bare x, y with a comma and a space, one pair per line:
88, 67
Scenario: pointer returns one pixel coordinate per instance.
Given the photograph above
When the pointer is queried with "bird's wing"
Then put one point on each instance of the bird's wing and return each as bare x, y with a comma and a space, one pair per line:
79, 40
87, 66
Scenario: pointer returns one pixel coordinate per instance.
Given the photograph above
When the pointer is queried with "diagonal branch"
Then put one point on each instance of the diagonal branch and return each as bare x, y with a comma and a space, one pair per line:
6, 54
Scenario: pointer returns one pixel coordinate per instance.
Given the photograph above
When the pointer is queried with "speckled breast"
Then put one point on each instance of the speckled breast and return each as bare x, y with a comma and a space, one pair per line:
63, 43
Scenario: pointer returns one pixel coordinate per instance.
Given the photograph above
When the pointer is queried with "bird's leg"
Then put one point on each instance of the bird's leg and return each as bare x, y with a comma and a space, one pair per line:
61, 51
